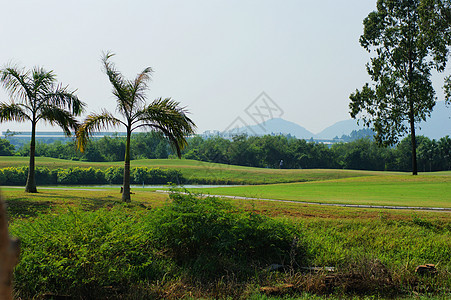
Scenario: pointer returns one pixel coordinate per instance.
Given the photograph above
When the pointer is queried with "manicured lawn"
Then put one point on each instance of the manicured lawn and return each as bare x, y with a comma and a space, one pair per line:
203, 172
395, 190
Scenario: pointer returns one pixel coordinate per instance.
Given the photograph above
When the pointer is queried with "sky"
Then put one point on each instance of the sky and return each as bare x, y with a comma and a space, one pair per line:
228, 62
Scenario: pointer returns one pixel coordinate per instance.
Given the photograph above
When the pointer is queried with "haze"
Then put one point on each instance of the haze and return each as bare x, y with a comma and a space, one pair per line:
215, 57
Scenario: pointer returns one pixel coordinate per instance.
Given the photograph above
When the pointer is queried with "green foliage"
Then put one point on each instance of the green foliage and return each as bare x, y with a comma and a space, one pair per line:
79, 253
408, 39
107, 148
6, 149
165, 116
210, 237
39, 98
359, 153
13, 176
363, 154
155, 175
114, 175
78, 175
207, 248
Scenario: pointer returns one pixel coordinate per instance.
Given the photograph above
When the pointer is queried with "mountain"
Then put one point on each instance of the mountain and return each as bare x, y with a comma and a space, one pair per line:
338, 129
435, 127
274, 126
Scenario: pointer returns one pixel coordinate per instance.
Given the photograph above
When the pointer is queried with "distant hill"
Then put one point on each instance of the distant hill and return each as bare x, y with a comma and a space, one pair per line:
276, 126
436, 127
338, 129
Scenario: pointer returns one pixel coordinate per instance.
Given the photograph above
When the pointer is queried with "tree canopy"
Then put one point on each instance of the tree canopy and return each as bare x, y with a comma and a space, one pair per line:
40, 98
408, 39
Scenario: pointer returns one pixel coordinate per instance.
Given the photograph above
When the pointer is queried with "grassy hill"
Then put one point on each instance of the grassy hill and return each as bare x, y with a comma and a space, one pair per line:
203, 172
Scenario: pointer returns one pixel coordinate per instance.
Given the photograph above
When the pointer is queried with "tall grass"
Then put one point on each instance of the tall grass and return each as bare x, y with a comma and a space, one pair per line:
83, 253
209, 248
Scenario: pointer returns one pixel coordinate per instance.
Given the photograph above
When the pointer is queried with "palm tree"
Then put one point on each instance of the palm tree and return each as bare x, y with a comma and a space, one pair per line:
162, 115
40, 98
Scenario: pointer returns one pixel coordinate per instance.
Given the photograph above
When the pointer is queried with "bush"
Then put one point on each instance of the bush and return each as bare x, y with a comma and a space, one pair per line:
80, 253
81, 176
155, 175
13, 176
77, 175
46, 176
114, 175
210, 237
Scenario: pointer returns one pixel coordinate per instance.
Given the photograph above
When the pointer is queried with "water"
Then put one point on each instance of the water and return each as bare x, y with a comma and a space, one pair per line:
147, 186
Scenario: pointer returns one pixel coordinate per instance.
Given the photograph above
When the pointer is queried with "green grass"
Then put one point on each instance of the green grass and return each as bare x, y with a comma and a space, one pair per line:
393, 190
203, 172
354, 240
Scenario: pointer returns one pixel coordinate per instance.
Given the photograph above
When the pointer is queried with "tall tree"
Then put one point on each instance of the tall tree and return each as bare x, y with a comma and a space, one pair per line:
409, 38
40, 98
162, 115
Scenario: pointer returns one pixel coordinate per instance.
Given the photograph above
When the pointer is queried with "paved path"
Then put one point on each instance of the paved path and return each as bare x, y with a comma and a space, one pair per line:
328, 204
275, 200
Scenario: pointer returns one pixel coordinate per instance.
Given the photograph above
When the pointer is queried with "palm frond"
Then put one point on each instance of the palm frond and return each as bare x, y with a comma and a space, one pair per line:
61, 97
140, 86
95, 122
58, 116
16, 82
12, 112
119, 83
42, 82
166, 116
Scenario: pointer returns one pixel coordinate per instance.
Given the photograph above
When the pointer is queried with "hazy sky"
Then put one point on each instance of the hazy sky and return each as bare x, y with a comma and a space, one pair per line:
215, 57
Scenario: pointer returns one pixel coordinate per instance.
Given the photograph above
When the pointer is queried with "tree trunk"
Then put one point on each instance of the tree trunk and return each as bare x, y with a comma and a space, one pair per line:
9, 256
30, 187
126, 185
414, 144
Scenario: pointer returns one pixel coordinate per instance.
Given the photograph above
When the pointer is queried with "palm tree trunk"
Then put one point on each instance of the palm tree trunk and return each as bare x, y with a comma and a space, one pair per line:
126, 184
30, 187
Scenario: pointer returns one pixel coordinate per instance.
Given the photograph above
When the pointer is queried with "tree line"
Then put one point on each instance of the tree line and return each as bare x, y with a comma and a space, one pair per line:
259, 151
282, 152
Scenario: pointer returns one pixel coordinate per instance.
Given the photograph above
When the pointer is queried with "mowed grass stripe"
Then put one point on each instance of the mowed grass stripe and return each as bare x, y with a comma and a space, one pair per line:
399, 190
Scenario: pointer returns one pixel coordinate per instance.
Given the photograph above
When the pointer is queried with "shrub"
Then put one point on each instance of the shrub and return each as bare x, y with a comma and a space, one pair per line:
81, 176
77, 175
13, 176
114, 175
79, 253
155, 175
46, 176
211, 238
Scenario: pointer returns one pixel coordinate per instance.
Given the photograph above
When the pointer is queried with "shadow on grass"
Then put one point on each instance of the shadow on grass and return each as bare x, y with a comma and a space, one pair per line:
24, 208
33, 205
